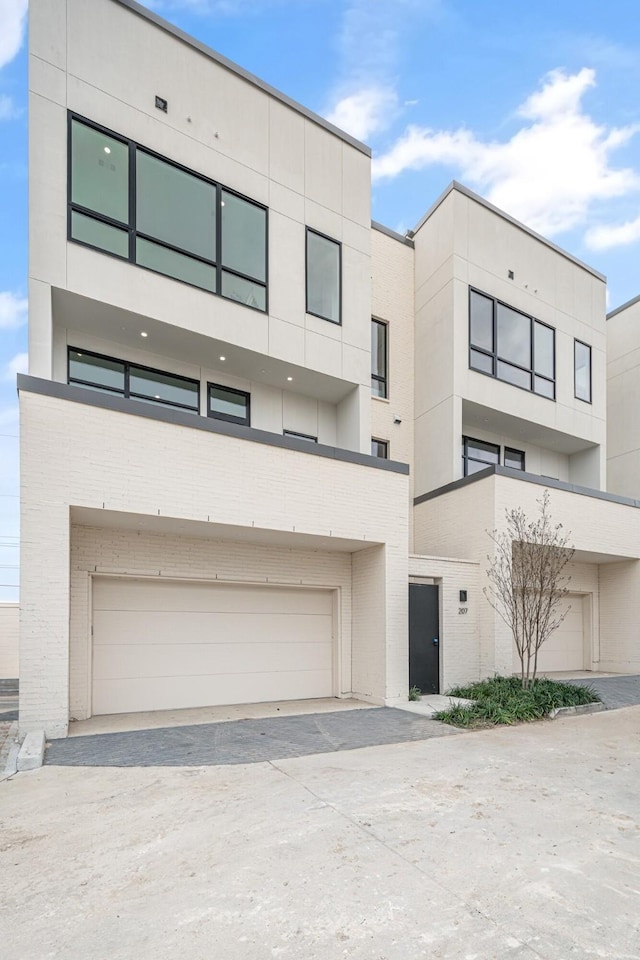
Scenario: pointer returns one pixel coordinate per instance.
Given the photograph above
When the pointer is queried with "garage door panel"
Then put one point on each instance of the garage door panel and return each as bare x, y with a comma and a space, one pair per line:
169, 693
142, 627
154, 595
161, 645
184, 660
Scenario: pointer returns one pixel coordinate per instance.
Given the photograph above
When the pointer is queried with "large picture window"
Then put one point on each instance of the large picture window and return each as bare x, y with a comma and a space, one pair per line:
126, 201
324, 278
511, 346
108, 375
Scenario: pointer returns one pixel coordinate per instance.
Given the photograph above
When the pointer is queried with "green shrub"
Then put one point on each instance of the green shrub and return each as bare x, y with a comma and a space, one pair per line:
502, 700
415, 693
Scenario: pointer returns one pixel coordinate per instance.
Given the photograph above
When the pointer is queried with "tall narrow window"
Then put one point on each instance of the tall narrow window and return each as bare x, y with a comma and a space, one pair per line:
582, 368
323, 277
379, 349
99, 189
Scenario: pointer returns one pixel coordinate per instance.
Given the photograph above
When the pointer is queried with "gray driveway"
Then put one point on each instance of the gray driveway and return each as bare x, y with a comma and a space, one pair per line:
245, 741
505, 844
615, 692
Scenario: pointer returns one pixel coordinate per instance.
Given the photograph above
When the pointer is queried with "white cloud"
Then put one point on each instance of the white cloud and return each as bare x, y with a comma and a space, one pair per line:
222, 8
369, 42
17, 364
613, 235
13, 19
13, 310
548, 174
8, 109
364, 112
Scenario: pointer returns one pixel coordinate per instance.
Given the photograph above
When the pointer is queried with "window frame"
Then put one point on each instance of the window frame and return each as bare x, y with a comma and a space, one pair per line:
385, 444
378, 379
299, 436
494, 354
520, 453
575, 369
466, 458
338, 244
228, 417
125, 393
131, 227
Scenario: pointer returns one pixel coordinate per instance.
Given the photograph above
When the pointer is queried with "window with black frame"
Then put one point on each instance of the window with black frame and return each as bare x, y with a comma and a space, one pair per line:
379, 351
582, 370
478, 455
511, 346
380, 448
514, 459
127, 201
324, 277
227, 403
131, 380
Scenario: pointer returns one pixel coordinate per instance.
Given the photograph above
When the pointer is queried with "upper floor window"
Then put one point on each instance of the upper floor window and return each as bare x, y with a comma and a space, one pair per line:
582, 370
226, 403
511, 346
324, 277
379, 385
514, 458
126, 201
380, 448
124, 379
478, 455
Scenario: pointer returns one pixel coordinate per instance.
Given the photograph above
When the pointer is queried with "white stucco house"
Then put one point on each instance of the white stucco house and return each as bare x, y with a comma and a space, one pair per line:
253, 418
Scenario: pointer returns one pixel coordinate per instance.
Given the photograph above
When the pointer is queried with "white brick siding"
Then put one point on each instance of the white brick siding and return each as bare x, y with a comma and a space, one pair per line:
76, 455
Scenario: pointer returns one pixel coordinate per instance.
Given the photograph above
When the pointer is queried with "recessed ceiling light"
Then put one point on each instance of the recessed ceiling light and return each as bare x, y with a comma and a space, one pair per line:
143, 333
157, 396
289, 379
223, 358
107, 149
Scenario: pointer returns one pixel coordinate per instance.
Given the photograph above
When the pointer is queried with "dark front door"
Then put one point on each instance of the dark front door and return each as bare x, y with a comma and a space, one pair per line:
424, 638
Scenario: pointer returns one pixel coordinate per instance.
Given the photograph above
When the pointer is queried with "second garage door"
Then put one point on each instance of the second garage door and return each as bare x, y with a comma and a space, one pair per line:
160, 645
564, 650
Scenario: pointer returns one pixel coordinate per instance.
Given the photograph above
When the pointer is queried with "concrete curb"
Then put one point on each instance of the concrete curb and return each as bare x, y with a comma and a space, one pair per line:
576, 711
31, 752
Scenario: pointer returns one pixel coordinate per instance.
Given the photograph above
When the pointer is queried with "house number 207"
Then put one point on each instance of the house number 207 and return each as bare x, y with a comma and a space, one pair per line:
462, 610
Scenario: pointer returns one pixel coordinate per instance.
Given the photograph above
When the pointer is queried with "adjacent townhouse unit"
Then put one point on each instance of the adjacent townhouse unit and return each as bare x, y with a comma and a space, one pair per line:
623, 399
262, 438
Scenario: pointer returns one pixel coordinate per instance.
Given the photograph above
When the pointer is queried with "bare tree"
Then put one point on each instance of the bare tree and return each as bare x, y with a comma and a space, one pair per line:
528, 580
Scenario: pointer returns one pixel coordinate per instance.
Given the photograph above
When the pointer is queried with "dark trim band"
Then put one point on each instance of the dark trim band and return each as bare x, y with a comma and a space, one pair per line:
497, 471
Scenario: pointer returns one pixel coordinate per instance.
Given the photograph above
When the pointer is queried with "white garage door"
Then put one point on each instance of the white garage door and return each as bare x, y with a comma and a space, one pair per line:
564, 650
165, 645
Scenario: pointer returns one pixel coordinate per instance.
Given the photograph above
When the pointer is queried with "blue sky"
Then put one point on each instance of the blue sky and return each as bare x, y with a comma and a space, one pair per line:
534, 106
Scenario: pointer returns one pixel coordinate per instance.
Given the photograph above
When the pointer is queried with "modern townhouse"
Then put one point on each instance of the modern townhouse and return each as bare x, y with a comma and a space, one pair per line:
255, 423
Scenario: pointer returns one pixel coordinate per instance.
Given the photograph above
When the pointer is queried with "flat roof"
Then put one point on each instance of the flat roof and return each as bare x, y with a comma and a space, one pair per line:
623, 306
244, 74
380, 227
460, 187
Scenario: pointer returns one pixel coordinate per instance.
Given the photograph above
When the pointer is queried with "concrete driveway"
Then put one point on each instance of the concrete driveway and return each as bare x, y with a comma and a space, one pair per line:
507, 843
